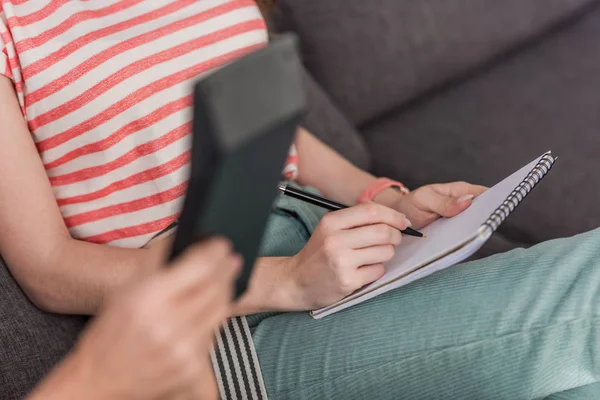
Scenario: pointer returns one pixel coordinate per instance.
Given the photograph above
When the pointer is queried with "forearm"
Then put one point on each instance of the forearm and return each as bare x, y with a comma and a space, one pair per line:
58, 273
323, 168
75, 276
270, 288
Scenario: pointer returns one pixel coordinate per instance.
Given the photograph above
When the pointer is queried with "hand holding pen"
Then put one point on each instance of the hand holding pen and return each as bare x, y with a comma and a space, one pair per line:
327, 204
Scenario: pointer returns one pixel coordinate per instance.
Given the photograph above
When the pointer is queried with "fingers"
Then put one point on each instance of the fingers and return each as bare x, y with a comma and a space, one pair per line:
198, 318
372, 255
201, 386
200, 265
211, 309
458, 189
450, 199
369, 274
217, 293
458, 205
364, 214
199, 286
439, 204
204, 387
207, 305
370, 235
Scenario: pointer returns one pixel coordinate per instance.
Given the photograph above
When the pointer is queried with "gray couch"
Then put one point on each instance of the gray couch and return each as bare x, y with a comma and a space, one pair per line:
444, 90
421, 91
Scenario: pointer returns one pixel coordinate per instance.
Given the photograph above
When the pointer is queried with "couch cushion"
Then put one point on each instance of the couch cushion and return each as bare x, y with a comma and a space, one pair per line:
372, 56
326, 122
547, 97
31, 341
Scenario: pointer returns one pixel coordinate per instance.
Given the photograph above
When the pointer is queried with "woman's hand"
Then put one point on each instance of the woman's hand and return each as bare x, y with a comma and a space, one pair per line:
427, 203
344, 253
153, 340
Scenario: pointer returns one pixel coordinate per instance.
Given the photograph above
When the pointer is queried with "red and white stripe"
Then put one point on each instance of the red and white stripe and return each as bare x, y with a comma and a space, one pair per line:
105, 88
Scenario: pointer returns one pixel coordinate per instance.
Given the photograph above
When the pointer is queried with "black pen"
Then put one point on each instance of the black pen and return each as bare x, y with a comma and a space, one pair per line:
330, 205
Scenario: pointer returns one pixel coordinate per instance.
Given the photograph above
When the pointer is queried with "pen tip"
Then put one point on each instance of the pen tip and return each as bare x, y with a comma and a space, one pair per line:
424, 236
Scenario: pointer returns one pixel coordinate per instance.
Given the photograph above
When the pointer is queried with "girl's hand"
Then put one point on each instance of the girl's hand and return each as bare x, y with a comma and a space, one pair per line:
153, 339
427, 203
344, 253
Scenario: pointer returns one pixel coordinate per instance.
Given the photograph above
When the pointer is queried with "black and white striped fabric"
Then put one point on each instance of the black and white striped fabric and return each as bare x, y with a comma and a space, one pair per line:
235, 362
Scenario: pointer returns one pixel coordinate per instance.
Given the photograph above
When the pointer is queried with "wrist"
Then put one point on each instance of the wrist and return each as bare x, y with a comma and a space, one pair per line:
388, 197
292, 295
272, 287
286, 292
378, 188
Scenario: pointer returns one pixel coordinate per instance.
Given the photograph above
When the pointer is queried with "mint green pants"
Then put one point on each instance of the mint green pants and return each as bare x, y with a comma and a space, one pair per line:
520, 325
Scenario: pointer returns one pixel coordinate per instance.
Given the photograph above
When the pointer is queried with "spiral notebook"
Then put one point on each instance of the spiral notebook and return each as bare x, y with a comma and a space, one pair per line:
451, 240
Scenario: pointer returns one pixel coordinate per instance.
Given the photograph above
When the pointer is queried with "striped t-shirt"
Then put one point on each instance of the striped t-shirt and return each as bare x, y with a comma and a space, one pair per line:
105, 87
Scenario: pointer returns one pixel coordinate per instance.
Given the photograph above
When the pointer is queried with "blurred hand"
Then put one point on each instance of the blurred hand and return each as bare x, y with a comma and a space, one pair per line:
428, 203
153, 340
345, 252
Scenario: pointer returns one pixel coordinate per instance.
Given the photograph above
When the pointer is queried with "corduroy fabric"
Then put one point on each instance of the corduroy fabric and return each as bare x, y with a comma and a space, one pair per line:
520, 325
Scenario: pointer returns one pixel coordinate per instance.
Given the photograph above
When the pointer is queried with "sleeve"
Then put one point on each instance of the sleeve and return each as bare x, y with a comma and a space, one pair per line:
4, 41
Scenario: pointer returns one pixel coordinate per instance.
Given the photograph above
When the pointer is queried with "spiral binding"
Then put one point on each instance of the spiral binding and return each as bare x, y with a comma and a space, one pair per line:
519, 193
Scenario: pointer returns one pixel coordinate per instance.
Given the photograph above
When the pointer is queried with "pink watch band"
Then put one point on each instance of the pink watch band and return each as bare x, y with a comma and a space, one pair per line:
377, 186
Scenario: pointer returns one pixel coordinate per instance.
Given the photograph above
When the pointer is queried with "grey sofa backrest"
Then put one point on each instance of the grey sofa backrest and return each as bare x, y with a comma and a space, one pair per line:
372, 56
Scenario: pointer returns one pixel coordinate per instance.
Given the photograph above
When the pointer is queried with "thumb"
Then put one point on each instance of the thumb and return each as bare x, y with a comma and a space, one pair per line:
450, 206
